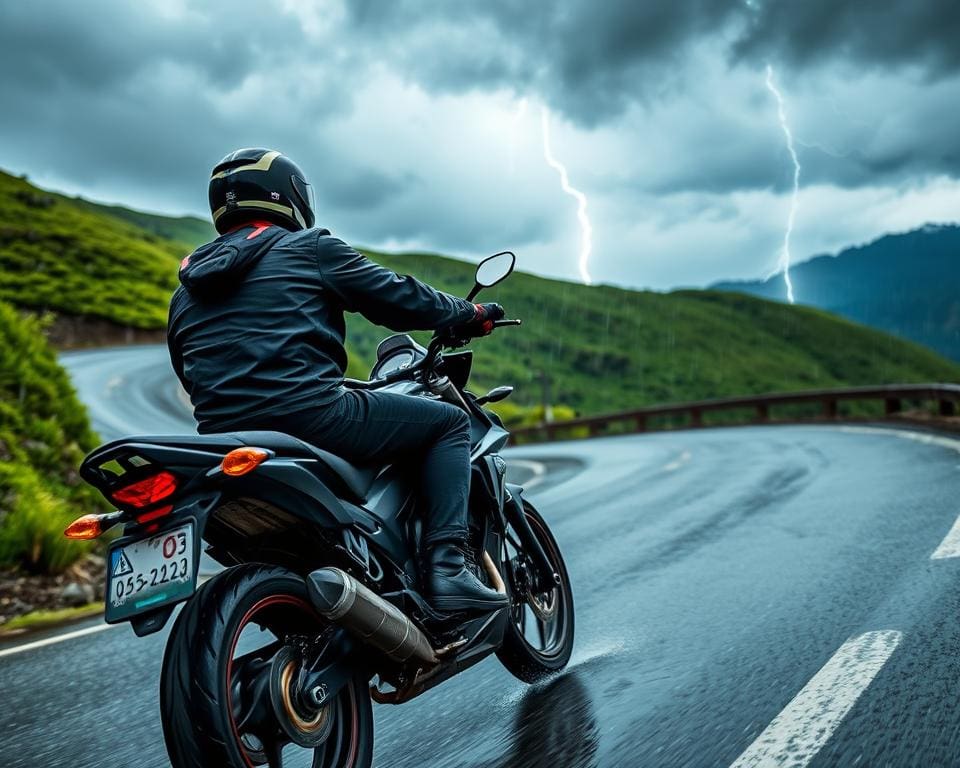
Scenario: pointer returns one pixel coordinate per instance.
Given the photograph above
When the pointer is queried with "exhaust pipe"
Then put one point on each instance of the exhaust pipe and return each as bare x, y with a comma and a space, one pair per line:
343, 600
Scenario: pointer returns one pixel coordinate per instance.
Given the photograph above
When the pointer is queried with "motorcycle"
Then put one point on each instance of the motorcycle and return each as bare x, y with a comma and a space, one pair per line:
319, 609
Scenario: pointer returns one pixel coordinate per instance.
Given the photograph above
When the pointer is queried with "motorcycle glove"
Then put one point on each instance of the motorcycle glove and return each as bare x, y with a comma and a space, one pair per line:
481, 325
483, 320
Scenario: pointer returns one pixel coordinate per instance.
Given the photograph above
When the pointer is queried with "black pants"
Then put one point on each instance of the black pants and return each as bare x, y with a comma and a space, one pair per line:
365, 427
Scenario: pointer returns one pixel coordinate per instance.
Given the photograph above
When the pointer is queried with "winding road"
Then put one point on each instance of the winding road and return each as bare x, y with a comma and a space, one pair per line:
762, 596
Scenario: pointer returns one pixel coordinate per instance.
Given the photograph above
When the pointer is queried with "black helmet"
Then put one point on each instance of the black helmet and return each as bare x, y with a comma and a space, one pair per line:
259, 184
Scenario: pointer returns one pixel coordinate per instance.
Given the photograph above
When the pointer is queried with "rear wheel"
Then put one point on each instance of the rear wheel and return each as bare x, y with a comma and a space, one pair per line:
539, 639
228, 693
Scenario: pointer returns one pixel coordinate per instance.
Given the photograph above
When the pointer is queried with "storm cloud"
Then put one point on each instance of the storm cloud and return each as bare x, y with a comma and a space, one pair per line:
589, 59
406, 116
886, 33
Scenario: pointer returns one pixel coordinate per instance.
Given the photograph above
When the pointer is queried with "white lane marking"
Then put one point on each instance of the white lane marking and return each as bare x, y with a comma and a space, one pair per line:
56, 639
950, 546
795, 736
674, 465
113, 383
539, 470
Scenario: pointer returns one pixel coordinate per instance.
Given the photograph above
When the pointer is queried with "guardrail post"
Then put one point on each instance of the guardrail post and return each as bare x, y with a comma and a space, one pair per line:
948, 408
891, 405
830, 407
696, 417
640, 424
763, 412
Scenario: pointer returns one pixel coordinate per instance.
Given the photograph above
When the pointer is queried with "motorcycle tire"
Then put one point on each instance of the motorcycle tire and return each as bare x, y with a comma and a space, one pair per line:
199, 688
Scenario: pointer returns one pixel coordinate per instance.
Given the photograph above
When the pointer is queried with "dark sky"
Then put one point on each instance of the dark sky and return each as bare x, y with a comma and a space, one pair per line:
419, 121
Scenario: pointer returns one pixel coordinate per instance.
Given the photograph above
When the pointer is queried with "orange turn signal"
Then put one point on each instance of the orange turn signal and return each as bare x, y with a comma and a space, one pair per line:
242, 460
86, 527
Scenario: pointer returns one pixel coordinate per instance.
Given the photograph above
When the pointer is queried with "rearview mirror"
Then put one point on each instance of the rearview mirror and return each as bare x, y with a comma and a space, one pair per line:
495, 395
492, 270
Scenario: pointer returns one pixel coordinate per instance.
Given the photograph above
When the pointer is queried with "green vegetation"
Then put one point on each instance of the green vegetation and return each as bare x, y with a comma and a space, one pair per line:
40, 619
514, 415
607, 349
44, 434
59, 254
188, 230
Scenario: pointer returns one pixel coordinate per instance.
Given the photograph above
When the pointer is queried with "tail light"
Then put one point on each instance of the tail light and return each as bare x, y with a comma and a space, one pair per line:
147, 491
242, 460
154, 514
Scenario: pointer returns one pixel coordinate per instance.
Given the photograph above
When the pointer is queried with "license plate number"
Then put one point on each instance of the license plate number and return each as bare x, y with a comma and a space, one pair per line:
151, 572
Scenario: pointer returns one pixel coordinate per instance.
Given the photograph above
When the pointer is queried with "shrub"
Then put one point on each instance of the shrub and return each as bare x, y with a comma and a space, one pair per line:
44, 433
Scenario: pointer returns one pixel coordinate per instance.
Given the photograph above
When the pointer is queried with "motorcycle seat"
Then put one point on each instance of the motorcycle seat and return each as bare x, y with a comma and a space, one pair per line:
355, 479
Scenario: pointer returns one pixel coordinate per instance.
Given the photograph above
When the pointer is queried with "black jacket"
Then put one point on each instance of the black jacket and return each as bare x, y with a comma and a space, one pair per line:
257, 327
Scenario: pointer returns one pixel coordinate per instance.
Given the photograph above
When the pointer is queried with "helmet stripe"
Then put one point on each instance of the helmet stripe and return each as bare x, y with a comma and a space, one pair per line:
263, 164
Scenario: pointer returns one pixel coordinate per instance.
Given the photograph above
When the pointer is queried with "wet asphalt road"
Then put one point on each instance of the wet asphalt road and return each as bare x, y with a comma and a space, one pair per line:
715, 573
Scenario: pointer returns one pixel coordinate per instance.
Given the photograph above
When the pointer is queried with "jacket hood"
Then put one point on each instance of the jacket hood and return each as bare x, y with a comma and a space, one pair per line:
217, 269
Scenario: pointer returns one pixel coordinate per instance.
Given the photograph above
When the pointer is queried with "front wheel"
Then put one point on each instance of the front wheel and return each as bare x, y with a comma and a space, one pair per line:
227, 689
539, 638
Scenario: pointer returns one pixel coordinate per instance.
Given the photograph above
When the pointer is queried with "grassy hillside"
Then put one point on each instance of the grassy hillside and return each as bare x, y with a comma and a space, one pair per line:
609, 348
907, 284
60, 254
44, 434
188, 230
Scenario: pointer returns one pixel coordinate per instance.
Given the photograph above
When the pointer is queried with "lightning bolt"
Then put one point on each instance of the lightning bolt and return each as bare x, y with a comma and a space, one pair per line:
784, 265
586, 229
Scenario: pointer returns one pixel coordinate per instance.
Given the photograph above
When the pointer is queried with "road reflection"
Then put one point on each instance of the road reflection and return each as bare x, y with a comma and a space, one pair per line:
555, 727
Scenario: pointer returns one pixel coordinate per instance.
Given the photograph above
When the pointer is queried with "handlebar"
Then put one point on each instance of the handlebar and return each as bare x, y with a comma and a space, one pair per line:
433, 351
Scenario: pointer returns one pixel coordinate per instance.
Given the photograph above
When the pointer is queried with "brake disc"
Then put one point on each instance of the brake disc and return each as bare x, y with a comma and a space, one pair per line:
305, 726
543, 605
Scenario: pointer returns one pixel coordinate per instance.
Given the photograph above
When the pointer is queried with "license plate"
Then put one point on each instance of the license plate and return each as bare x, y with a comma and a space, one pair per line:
150, 573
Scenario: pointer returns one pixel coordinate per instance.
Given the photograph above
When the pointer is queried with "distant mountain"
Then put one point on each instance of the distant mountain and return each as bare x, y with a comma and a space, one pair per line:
906, 284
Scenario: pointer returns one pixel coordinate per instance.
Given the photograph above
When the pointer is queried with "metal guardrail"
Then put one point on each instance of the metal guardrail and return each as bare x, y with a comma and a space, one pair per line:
893, 396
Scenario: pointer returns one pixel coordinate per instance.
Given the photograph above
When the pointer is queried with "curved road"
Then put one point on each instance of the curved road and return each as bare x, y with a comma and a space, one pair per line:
745, 597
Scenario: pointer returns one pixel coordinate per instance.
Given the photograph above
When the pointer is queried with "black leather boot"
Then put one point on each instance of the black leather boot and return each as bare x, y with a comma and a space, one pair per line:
453, 587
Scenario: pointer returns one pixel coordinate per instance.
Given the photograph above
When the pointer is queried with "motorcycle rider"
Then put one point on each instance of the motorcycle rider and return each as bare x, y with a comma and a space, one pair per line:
256, 336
